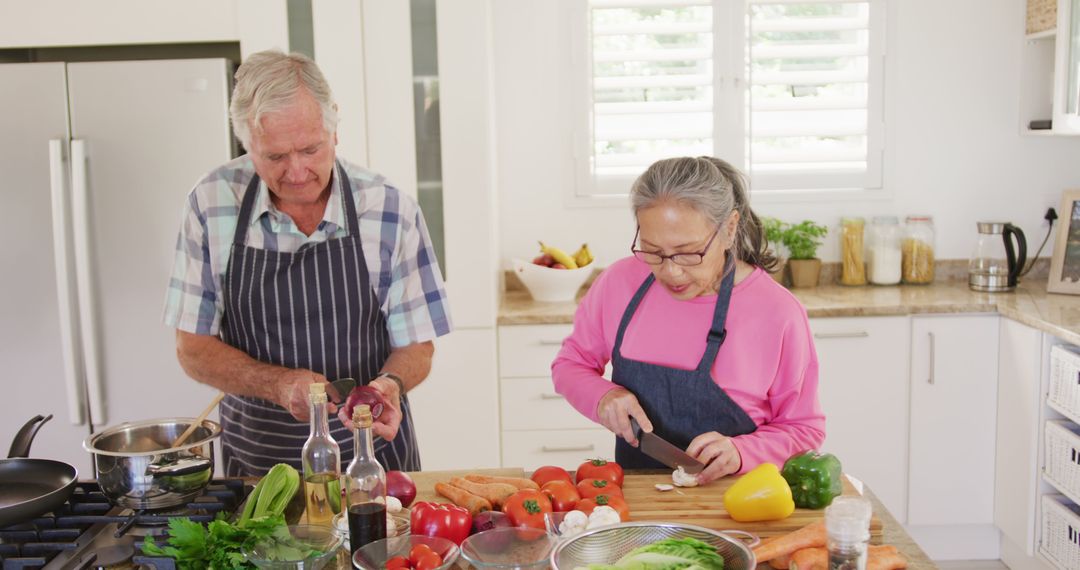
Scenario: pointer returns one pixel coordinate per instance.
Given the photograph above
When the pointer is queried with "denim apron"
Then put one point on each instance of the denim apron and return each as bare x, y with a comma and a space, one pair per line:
682, 404
314, 309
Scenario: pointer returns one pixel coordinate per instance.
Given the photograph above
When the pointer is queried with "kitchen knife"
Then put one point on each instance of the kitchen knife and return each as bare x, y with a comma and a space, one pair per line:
659, 449
344, 386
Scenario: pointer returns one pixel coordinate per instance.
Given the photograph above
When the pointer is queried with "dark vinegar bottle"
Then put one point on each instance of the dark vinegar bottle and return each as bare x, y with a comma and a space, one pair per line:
365, 485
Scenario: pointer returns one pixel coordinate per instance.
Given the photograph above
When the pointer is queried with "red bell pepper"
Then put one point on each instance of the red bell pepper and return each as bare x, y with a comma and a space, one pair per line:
442, 520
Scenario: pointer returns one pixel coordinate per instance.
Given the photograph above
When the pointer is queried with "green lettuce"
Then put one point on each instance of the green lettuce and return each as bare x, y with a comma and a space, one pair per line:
668, 554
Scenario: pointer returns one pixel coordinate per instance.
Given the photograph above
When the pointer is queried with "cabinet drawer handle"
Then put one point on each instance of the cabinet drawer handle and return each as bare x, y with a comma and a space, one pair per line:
546, 396
930, 378
559, 449
856, 334
549, 342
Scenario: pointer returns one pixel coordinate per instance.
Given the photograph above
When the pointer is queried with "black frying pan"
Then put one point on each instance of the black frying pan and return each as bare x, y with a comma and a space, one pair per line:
32, 487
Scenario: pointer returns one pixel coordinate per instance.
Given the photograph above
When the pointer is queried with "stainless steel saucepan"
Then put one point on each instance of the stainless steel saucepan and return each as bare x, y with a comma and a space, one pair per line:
138, 467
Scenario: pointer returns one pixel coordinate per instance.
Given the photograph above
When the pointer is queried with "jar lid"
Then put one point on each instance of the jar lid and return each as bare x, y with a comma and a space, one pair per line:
852, 220
926, 219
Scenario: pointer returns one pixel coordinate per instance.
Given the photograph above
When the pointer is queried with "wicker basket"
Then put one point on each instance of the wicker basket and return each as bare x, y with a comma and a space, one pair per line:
1062, 445
1065, 381
1060, 531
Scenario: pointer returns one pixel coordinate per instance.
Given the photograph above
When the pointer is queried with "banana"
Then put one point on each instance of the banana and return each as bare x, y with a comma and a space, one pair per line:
559, 256
583, 256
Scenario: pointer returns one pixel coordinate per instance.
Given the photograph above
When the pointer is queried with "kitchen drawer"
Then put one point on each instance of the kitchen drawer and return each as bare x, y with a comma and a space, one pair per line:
565, 448
527, 350
531, 403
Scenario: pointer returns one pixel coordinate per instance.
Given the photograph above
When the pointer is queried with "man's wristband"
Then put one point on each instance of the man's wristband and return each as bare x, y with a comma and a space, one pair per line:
397, 380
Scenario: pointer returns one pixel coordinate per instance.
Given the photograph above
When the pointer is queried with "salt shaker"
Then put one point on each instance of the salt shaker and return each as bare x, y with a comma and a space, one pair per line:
847, 524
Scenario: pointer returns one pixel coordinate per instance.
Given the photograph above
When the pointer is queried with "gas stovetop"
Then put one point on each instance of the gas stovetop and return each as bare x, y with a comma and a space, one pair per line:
89, 532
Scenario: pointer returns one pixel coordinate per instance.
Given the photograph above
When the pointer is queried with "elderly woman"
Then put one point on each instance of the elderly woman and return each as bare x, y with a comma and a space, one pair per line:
707, 350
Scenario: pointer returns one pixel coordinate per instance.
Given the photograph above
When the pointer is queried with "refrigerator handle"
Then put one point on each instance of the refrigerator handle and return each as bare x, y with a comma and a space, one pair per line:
69, 334
80, 202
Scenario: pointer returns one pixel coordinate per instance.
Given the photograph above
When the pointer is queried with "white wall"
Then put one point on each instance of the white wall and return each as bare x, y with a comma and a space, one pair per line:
953, 148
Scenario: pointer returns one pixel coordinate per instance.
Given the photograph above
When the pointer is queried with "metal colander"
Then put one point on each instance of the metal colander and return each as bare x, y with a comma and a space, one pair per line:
607, 545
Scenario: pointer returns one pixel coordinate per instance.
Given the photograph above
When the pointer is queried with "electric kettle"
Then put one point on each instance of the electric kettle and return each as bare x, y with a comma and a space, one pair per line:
996, 264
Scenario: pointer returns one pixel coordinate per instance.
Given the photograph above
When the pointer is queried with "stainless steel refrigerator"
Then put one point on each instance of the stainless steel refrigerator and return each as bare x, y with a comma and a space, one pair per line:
96, 160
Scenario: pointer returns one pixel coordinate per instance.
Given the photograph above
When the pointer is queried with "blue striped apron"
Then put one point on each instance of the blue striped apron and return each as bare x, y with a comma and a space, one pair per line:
314, 309
681, 404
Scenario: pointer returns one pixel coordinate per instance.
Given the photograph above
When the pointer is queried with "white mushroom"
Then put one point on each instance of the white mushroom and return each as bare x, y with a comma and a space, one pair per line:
683, 479
603, 516
393, 504
573, 523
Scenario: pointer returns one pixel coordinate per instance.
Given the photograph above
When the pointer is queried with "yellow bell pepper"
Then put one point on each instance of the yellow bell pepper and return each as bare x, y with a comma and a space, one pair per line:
761, 494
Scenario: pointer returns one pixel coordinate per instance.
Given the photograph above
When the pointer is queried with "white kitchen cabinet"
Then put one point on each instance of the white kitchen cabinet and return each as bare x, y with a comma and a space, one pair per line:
863, 389
954, 387
456, 407
1016, 478
539, 427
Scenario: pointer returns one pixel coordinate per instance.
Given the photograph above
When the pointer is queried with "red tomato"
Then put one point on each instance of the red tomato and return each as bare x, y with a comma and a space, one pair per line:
417, 552
429, 561
589, 488
550, 473
563, 494
397, 562
600, 469
618, 503
527, 508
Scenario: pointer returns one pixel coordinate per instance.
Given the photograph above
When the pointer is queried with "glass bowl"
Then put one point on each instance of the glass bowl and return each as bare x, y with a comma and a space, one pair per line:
306, 547
398, 525
509, 547
374, 556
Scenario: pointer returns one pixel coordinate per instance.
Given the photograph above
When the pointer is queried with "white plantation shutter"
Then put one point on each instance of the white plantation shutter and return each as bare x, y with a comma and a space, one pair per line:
805, 82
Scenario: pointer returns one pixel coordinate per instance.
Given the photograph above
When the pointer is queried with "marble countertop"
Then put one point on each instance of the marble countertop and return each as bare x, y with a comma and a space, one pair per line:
1030, 304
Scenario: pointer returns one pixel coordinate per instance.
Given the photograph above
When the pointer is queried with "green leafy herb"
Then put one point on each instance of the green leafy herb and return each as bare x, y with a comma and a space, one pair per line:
217, 545
803, 239
668, 554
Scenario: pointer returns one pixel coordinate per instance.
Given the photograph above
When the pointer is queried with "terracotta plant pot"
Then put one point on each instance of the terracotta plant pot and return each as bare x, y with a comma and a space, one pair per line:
804, 272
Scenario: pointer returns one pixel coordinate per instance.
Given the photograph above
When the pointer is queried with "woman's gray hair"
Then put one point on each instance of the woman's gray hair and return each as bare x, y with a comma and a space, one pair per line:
268, 81
714, 188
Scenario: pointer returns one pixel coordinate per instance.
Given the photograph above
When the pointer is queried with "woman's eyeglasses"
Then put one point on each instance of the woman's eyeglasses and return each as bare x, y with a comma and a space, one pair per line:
684, 259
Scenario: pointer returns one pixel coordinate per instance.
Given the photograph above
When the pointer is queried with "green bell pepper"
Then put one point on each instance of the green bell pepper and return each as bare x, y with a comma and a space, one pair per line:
814, 479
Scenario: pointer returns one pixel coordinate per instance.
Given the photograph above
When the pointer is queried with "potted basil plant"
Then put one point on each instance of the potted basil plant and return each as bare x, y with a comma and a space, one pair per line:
802, 241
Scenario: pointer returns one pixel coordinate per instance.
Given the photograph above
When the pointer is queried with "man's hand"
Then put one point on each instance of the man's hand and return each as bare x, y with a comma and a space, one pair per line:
718, 453
293, 393
389, 420
615, 410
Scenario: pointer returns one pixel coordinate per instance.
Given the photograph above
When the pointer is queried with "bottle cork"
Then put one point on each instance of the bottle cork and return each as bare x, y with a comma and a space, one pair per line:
362, 416
317, 391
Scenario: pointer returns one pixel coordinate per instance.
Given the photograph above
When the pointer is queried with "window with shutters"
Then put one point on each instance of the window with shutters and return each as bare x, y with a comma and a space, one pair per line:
790, 91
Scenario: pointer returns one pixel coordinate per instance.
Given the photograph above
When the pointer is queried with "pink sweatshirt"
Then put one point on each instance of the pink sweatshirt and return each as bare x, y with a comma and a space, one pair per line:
767, 364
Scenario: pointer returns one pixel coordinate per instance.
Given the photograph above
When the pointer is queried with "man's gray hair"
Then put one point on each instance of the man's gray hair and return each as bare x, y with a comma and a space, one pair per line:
268, 81
712, 187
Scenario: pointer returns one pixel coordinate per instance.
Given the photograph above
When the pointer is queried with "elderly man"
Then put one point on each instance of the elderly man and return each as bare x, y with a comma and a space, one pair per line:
292, 267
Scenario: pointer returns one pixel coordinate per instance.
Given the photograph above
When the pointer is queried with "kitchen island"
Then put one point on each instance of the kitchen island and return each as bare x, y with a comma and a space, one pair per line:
891, 531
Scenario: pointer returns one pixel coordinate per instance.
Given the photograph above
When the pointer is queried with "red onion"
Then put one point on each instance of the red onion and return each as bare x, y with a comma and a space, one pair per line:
365, 395
400, 485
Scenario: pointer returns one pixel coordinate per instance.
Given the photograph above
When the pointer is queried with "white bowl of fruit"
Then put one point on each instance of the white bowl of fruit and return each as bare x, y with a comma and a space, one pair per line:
555, 275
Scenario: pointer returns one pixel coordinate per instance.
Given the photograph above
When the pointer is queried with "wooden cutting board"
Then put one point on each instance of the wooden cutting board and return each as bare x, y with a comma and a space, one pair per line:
704, 506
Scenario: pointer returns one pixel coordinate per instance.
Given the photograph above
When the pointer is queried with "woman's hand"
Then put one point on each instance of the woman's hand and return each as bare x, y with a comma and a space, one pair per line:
615, 410
389, 420
718, 453
293, 392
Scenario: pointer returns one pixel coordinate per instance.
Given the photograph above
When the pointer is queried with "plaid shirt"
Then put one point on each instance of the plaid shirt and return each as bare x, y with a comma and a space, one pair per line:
393, 235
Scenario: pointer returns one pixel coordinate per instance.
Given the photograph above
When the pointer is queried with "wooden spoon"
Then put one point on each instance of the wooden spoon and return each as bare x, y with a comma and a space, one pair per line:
199, 420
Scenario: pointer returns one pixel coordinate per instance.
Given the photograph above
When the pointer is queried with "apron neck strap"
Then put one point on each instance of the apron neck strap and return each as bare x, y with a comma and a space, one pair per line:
718, 330
243, 219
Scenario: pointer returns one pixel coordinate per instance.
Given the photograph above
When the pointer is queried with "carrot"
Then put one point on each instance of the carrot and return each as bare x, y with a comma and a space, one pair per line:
816, 558
781, 562
462, 498
518, 482
885, 558
811, 535
496, 493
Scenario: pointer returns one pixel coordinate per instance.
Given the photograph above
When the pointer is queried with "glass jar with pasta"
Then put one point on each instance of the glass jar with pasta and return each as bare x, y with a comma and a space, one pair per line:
852, 262
917, 250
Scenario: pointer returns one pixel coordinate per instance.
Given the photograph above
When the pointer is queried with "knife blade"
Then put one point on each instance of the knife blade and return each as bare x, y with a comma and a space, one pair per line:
661, 450
344, 387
